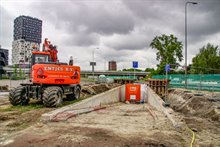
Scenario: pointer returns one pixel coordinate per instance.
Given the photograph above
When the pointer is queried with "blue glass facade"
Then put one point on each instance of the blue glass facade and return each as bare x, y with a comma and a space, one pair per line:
28, 28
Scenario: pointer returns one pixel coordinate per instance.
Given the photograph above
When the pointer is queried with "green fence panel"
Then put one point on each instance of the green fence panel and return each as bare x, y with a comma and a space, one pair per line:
194, 81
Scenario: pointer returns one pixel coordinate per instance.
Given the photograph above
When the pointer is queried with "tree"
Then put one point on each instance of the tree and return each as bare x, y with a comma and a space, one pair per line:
20, 72
132, 69
169, 50
15, 70
149, 69
207, 61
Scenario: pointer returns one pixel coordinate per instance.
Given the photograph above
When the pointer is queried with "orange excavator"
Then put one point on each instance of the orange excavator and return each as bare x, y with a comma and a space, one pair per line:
50, 81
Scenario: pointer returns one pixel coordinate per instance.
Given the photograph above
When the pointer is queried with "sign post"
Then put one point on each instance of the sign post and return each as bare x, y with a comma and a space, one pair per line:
93, 64
167, 69
135, 65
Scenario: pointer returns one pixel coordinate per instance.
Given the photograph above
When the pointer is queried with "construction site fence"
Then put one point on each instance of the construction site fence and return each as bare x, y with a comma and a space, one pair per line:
121, 77
210, 82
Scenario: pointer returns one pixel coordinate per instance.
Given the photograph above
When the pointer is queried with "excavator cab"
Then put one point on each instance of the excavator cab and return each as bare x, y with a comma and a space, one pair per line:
40, 57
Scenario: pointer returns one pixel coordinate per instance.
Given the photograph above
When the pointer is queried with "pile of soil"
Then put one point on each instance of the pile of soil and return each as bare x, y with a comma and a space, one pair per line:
201, 113
195, 104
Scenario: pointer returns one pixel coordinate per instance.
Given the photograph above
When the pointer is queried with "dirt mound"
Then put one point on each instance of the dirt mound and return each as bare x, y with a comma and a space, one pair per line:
194, 104
93, 89
4, 88
200, 112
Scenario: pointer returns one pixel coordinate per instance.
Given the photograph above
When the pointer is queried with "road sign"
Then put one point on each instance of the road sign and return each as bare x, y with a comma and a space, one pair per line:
167, 67
92, 63
135, 64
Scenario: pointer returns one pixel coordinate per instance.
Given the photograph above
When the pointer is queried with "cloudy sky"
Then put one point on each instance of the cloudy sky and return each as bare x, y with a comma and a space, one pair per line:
121, 29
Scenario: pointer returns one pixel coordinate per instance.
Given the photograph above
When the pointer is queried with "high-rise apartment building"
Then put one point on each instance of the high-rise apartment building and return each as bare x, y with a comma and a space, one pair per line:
28, 28
27, 33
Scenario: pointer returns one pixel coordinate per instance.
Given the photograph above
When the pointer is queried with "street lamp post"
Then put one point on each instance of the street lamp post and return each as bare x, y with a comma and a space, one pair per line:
194, 3
105, 64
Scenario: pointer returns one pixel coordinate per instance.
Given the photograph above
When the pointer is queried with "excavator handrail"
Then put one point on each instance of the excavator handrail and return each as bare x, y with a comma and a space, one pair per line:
61, 63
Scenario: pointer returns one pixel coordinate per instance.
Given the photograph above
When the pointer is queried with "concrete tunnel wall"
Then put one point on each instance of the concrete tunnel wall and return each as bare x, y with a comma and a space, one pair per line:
155, 101
109, 97
113, 96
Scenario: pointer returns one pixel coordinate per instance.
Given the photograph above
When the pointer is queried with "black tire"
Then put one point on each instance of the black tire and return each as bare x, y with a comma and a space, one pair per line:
17, 96
53, 96
70, 97
75, 95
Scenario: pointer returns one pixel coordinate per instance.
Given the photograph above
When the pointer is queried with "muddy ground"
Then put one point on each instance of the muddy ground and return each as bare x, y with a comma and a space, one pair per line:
201, 112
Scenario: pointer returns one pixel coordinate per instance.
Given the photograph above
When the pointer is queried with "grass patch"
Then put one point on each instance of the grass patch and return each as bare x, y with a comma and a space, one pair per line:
70, 102
23, 126
36, 105
87, 79
65, 102
23, 108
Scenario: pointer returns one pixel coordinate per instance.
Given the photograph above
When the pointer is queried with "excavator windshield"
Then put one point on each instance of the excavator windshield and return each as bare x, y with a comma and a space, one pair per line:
40, 58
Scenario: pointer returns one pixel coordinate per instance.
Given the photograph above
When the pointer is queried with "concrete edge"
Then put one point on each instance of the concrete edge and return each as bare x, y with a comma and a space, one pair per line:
109, 97
155, 101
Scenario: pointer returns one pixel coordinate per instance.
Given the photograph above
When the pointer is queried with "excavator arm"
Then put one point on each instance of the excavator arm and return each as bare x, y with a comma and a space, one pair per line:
48, 47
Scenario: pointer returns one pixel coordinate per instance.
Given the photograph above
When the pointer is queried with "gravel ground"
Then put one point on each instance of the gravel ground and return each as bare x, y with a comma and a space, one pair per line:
3, 94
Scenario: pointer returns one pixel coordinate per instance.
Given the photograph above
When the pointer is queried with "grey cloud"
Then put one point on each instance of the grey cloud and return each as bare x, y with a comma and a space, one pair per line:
5, 28
119, 56
128, 42
147, 10
205, 20
138, 39
95, 18
202, 19
81, 39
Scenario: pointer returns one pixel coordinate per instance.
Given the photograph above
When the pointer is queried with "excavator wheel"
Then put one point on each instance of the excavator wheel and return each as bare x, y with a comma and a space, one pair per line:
17, 96
53, 96
75, 95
